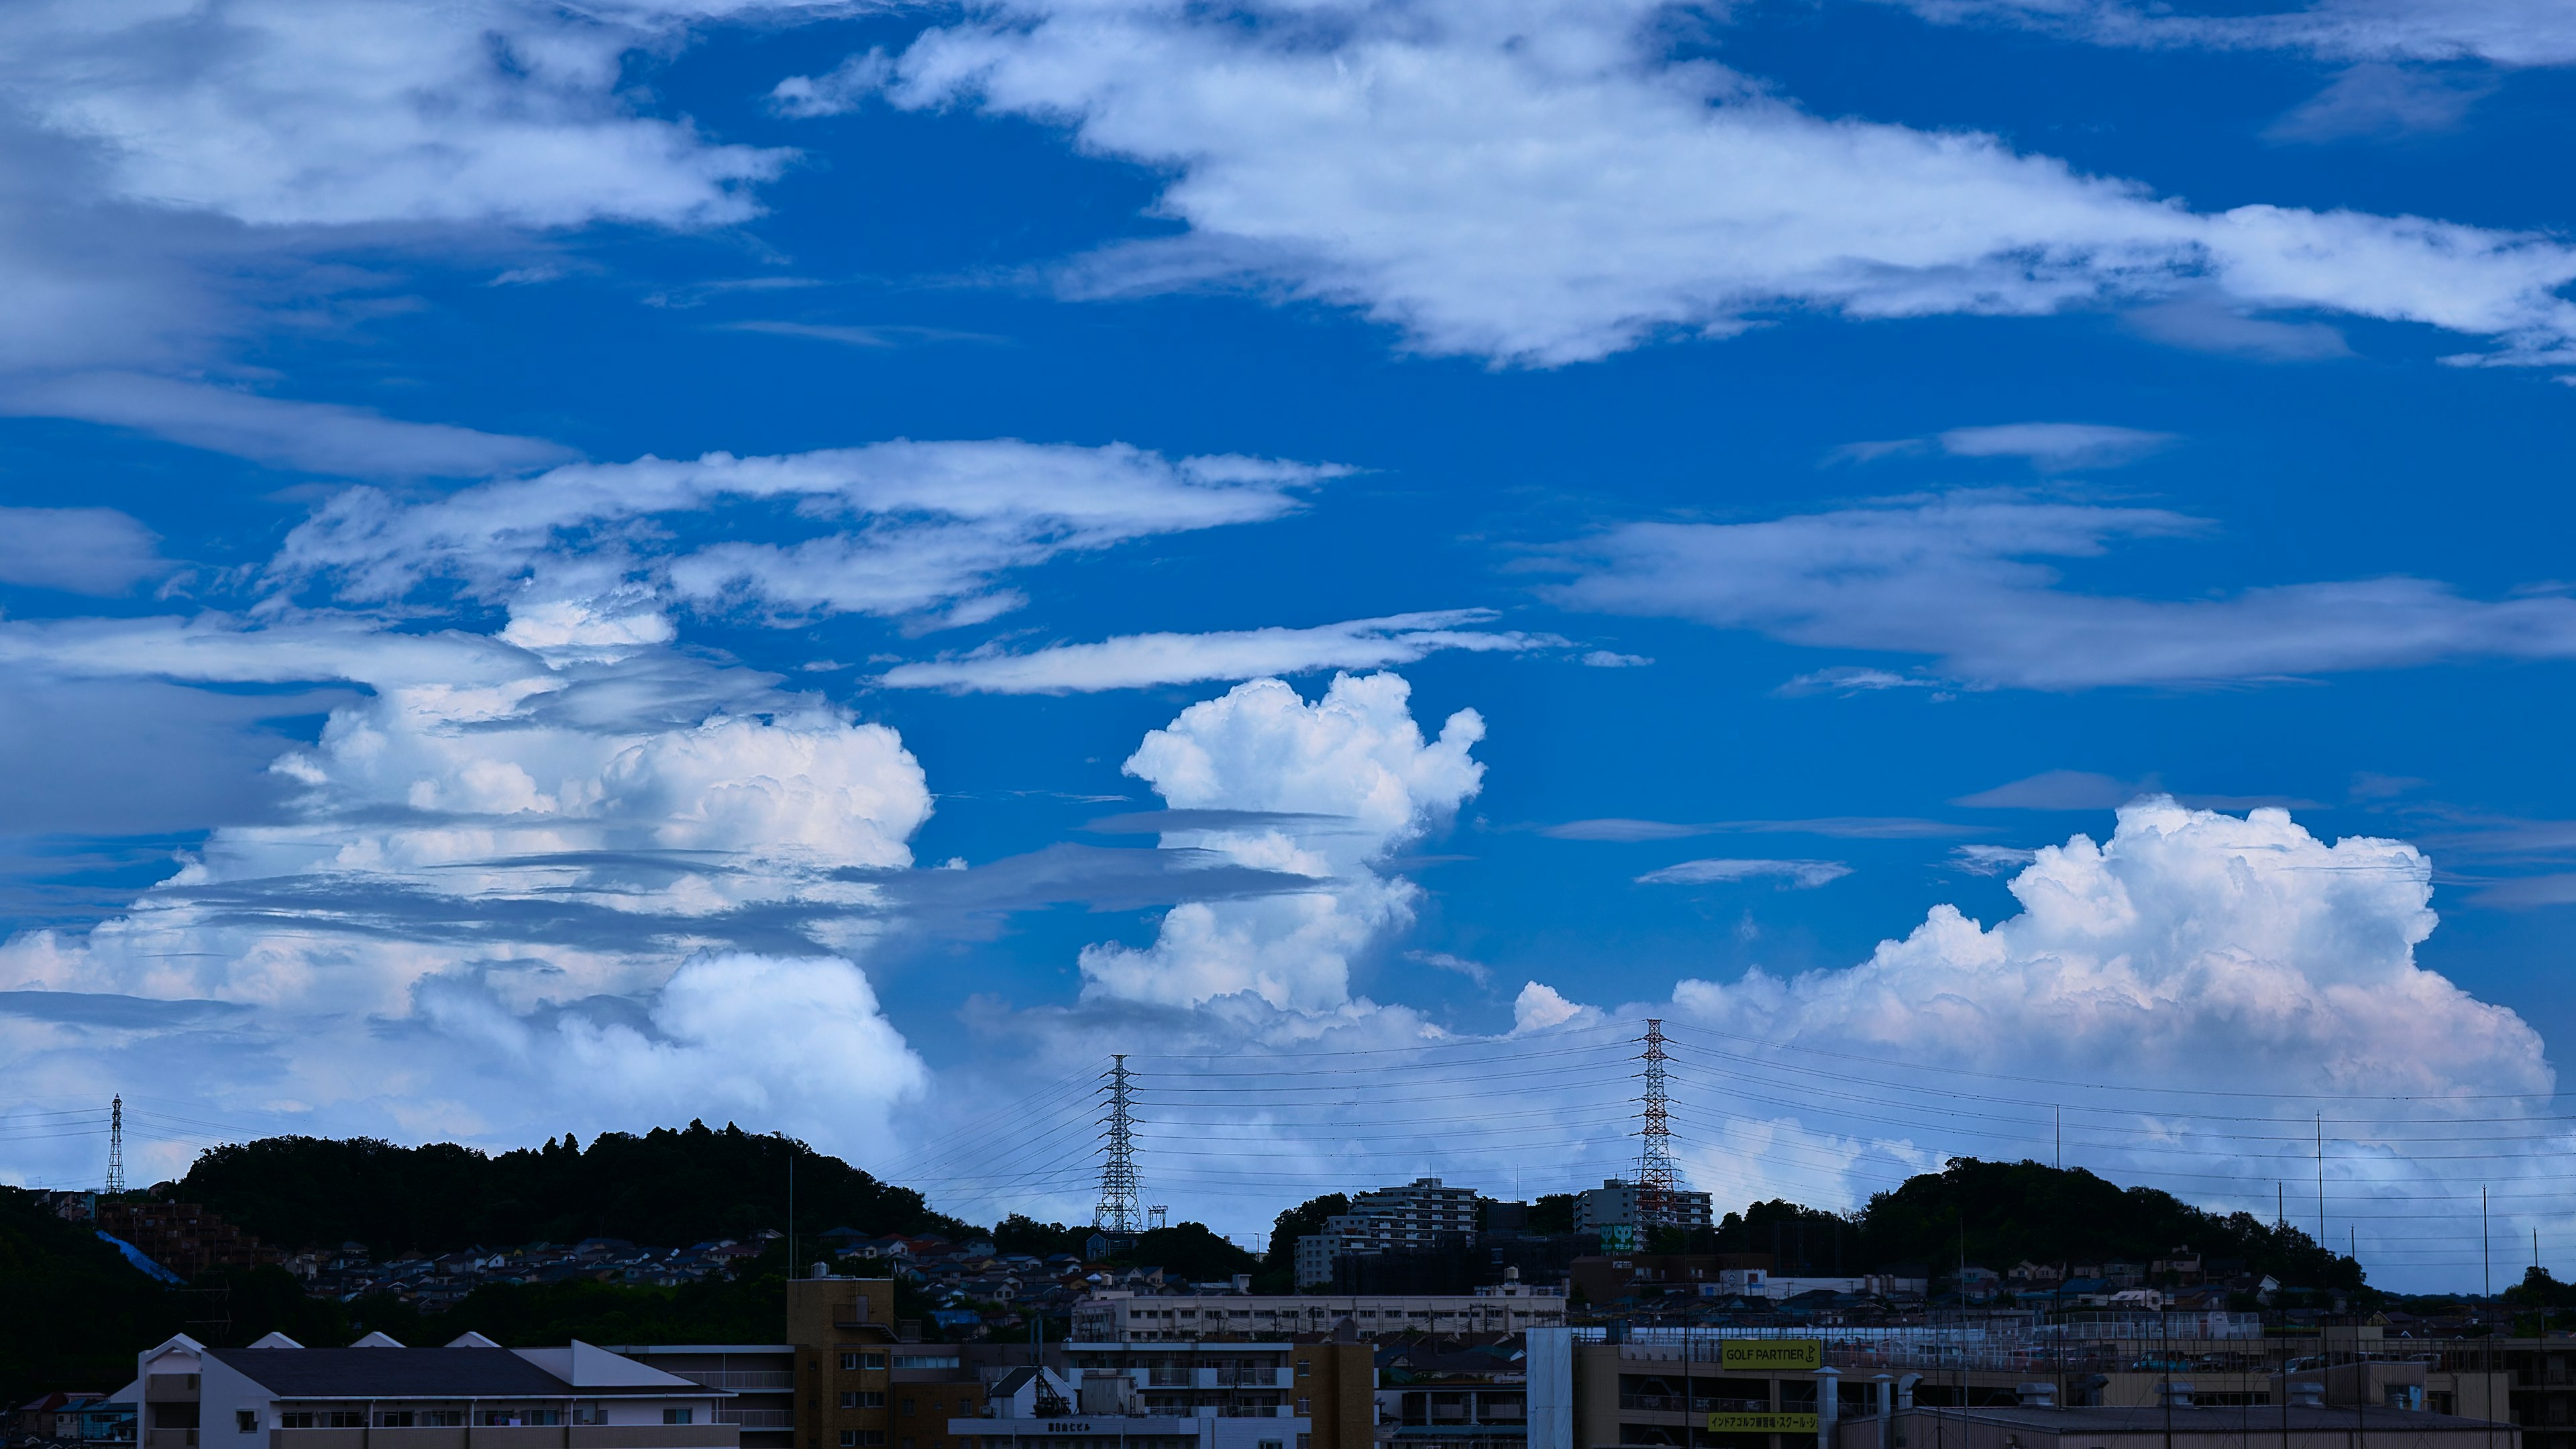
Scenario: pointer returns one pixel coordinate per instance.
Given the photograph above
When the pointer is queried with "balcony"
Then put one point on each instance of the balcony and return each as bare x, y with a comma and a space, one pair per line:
756, 1418
1167, 1378
742, 1381
170, 1388
1247, 1378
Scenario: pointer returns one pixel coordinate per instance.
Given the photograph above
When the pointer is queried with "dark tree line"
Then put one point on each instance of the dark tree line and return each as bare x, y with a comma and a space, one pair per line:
667, 1188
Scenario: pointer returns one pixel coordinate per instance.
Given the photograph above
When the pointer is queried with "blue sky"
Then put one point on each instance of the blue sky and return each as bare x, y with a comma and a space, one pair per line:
536, 539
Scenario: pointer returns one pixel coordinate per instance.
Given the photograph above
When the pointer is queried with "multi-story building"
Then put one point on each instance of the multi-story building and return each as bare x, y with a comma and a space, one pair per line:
1183, 1318
1437, 1395
761, 1377
1622, 1214
278, 1394
1246, 1395
846, 1338
1414, 1217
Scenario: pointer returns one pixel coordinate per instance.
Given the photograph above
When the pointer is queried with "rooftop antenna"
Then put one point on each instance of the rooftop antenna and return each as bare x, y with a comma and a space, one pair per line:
1116, 1211
115, 1145
1658, 1183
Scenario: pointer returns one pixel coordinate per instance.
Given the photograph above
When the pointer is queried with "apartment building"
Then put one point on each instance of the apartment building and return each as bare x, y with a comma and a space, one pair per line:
377, 1393
761, 1377
846, 1343
1623, 1213
1413, 1217
1250, 1395
1440, 1394
1508, 1307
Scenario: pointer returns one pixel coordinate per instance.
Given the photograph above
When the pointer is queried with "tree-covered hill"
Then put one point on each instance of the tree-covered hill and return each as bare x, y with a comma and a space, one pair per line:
668, 1187
1998, 1213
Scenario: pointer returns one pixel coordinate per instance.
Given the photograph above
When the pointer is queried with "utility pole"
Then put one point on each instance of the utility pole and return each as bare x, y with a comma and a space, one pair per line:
1116, 1210
115, 1145
2321, 1179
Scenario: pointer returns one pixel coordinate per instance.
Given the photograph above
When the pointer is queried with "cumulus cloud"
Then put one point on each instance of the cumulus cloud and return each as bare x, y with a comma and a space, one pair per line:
1536, 184
1355, 754
1540, 1007
892, 528
1958, 580
2191, 953
1137, 661
579, 870
1792, 874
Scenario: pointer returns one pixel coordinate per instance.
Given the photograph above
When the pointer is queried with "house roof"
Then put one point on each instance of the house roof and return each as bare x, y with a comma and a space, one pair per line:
392, 1373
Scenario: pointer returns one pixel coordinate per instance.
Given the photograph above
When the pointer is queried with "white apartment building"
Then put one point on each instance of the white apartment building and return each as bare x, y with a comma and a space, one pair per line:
1126, 1318
278, 1394
1391, 1219
1620, 1213
1038, 1408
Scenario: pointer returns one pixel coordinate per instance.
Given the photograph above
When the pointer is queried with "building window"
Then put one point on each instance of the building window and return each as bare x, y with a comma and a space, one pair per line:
678, 1416
1305, 1366
246, 1420
297, 1420
854, 1362
450, 1418
393, 1418
906, 1410
1302, 1410
867, 1399
348, 1419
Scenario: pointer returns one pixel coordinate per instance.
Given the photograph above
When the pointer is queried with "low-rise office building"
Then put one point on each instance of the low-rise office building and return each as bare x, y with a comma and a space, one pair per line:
1182, 1318
377, 1394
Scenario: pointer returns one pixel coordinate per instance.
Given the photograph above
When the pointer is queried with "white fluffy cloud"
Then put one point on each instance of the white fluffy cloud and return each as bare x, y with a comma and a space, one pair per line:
586, 872
1958, 580
891, 528
1532, 182
1137, 661
1357, 779
364, 111
2235, 974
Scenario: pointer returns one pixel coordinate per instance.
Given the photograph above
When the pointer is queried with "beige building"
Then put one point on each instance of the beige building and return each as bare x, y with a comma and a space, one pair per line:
1129, 1318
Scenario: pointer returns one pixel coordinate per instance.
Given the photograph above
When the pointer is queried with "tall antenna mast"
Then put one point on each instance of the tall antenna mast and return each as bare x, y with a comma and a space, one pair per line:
1658, 1183
1116, 1211
115, 1145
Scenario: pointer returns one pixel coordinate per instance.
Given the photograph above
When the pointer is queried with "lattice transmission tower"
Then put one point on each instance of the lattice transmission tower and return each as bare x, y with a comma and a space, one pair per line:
1116, 1211
115, 1145
1658, 1180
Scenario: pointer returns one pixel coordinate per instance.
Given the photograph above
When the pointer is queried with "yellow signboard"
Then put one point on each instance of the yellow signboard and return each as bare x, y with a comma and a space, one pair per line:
1761, 1423
1772, 1353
